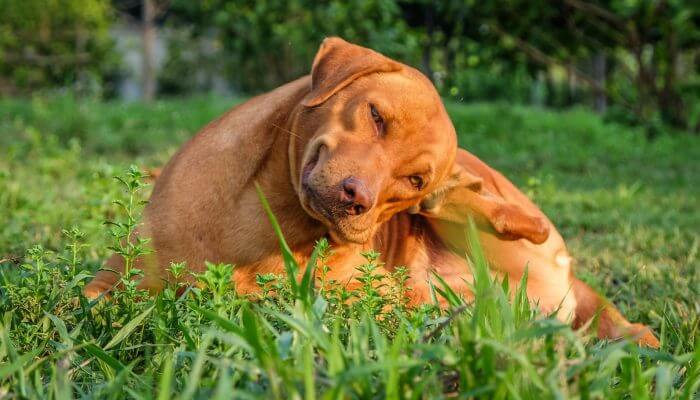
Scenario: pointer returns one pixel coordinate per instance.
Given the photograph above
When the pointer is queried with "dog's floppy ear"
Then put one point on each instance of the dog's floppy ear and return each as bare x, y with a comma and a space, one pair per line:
338, 63
463, 197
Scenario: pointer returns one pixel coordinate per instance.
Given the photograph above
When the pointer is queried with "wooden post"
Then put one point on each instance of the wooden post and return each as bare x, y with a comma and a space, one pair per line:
149, 42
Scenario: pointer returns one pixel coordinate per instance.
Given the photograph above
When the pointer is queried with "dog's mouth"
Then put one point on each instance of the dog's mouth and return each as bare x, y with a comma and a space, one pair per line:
312, 201
341, 229
349, 234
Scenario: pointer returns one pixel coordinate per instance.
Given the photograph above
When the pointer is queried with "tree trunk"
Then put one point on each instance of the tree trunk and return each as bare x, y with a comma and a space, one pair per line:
149, 43
600, 100
671, 104
570, 87
450, 61
81, 80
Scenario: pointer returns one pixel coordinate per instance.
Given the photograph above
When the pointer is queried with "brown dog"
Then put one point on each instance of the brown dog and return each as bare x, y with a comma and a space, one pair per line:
336, 153
342, 153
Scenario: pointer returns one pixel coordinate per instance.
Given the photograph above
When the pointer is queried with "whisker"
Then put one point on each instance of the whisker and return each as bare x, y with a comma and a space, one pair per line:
289, 132
380, 240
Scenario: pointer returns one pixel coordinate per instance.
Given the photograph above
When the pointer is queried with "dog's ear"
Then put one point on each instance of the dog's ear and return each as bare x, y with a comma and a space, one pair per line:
463, 197
338, 63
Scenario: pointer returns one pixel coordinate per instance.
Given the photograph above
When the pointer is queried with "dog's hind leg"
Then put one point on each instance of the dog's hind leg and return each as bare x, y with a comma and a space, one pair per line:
611, 323
106, 279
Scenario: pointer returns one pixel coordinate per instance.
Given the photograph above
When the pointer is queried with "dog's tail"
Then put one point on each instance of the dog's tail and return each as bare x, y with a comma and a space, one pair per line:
611, 324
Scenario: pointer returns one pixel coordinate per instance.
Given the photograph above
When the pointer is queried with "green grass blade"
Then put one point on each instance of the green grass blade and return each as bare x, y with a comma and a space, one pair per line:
290, 264
166, 380
61, 328
97, 352
126, 330
214, 317
306, 288
17, 364
447, 292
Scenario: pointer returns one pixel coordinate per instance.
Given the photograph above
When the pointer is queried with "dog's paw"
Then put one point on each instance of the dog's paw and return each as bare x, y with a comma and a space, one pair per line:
513, 223
95, 289
643, 336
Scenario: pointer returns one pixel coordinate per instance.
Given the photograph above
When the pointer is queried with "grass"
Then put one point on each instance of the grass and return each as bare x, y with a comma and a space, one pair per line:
627, 206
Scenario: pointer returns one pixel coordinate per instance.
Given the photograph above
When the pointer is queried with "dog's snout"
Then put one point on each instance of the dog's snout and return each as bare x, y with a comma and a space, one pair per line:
355, 196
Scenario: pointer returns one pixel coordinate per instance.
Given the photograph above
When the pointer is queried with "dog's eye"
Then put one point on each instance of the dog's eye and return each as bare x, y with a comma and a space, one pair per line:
416, 181
377, 118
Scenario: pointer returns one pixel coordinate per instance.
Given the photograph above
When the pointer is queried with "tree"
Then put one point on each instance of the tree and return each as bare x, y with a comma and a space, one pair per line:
649, 47
267, 43
52, 43
148, 35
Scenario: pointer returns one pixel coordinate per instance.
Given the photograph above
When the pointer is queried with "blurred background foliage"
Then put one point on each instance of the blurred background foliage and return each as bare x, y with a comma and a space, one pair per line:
55, 43
634, 61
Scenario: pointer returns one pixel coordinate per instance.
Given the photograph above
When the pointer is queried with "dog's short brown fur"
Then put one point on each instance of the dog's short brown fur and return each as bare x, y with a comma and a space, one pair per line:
345, 153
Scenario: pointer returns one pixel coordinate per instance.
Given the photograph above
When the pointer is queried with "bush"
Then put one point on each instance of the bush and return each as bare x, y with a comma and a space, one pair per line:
266, 44
55, 43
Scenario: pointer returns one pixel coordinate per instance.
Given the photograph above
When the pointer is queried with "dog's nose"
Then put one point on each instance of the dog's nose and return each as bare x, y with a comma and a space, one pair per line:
355, 196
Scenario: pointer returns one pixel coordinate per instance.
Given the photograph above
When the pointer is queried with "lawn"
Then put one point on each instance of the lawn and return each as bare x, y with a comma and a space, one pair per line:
628, 207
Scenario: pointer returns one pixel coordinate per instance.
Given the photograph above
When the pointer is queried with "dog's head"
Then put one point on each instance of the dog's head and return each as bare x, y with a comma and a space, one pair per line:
376, 140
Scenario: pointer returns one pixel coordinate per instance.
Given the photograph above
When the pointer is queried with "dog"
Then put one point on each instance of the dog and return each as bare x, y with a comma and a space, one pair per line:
337, 153
363, 152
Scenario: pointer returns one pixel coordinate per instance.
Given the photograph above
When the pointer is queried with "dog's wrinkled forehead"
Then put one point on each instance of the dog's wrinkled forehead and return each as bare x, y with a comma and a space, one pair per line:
405, 99
417, 127
419, 133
